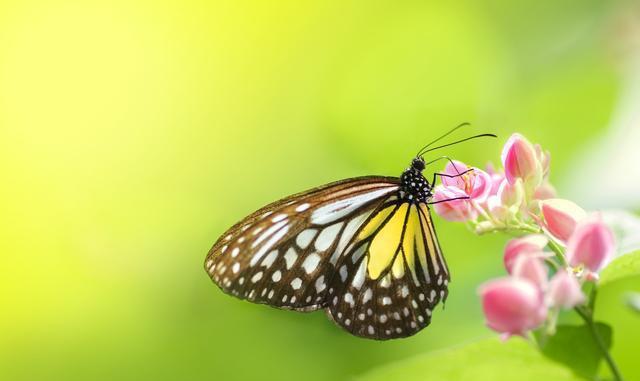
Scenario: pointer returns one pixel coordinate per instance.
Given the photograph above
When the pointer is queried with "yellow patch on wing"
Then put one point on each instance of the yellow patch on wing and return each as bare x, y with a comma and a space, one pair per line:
385, 243
412, 238
398, 267
375, 222
421, 251
427, 225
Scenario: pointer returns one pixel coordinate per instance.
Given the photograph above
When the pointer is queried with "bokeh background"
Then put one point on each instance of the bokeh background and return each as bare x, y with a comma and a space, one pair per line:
132, 133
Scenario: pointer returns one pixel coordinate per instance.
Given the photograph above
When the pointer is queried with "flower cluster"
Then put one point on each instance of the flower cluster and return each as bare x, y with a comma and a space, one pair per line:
559, 248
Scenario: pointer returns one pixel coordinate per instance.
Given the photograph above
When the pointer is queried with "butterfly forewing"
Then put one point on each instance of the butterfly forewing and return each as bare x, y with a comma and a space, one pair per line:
285, 254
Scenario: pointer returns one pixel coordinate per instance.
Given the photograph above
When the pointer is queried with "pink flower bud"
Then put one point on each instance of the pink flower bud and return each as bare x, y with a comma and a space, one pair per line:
592, 244
529, 244
497, 210
520, 159
531, 267
561, 217
545, 160
564, 291
455, 210
511, 195
512, 306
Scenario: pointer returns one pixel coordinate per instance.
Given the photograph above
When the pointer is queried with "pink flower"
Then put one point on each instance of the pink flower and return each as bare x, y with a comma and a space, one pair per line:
592, 244
496, 180
530, 244
564, 291
561, 217
476, 184
512, 306
455, 210
531, 268
520, 160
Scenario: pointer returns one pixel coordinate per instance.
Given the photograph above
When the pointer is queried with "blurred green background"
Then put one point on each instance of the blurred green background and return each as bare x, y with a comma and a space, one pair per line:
132, 133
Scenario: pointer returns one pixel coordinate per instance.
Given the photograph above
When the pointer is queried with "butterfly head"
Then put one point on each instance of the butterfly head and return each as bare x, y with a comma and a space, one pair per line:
418, 164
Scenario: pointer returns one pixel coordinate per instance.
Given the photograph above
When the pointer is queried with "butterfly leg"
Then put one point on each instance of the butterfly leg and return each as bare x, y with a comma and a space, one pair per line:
433, 181
449, 199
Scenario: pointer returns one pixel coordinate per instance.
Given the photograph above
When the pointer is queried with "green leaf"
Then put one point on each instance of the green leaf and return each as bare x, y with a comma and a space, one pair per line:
621, 267
489, 359
575, 347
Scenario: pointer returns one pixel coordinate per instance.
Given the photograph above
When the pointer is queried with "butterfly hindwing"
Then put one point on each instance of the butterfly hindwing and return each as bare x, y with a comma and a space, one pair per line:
395, 275
285, 254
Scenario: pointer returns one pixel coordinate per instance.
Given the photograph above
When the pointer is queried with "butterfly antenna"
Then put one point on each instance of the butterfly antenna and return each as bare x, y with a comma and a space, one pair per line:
459, 141
443, 136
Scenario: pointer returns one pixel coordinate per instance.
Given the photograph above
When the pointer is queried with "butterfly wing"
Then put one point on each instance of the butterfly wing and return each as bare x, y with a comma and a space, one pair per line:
286, 253
392, 276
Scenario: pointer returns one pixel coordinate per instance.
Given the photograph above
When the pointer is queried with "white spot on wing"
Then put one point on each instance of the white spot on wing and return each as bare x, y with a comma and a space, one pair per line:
343, 272
279, 217
358, 279
305, 237
296, 283
311, 263
320, 284
302, 207
270, 258
327, 236
276, 276
386, 301
349, 299
290, 257
357, 254
256, 277
367, 296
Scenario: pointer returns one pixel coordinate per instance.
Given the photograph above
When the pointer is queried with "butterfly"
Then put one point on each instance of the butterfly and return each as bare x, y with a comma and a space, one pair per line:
363, 249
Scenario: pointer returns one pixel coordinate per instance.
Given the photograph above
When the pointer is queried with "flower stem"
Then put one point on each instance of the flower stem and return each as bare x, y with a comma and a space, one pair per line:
556, 249
586, 313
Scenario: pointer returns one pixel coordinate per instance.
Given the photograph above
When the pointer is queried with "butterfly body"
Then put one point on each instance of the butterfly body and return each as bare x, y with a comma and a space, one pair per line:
363, 249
